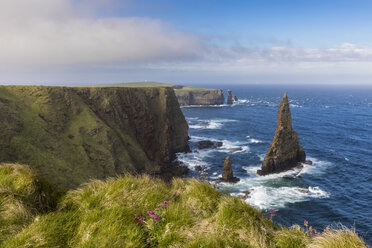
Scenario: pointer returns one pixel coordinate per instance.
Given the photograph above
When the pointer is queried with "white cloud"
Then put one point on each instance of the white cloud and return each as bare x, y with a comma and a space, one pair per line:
53, 32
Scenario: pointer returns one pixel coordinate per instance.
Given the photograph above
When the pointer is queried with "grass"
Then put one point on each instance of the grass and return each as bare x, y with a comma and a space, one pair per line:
101, 214
23, 195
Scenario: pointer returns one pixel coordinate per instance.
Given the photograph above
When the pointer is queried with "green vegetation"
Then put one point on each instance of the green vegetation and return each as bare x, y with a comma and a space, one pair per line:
72, 135
22, 196
102, 214
177, 88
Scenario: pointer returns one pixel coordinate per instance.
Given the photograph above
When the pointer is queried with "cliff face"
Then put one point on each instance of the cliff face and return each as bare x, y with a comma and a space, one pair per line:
284, 152
72, 135
199, 97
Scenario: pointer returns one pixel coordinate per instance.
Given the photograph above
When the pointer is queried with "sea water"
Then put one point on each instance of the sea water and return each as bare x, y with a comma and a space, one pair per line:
334, 126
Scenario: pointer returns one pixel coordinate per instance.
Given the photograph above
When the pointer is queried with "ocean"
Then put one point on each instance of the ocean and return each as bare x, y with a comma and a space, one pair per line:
334, 126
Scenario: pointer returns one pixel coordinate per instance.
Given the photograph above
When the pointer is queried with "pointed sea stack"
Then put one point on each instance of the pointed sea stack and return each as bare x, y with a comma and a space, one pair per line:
227, 172
284, 152
229, 97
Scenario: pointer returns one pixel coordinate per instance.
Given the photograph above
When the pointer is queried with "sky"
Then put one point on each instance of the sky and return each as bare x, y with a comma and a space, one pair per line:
70, 42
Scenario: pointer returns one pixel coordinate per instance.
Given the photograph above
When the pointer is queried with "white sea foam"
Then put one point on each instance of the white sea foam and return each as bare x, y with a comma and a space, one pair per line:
261, 156
317, 168
254, 141
193, 159
209, 124
269, 197
233, 147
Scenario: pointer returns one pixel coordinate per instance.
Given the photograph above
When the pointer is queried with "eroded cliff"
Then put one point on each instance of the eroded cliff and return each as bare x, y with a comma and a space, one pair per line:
71, 135
199, 96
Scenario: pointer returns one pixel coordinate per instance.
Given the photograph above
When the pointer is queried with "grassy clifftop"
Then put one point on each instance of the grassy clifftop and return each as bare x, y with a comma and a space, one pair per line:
142, 212
186, 95
72, 135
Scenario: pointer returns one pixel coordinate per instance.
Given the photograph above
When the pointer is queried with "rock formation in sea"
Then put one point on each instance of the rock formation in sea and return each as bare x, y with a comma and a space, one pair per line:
227, 172
229, 97
284, 152
235, 98
72, 135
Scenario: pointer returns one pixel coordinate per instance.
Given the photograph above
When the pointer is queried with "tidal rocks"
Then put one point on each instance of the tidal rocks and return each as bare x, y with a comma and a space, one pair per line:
235, 98
227, 172
284, 152
207, 144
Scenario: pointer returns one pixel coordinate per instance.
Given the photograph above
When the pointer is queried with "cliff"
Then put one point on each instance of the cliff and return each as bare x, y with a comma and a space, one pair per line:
71, 135
284, 152
199, 96
186, 95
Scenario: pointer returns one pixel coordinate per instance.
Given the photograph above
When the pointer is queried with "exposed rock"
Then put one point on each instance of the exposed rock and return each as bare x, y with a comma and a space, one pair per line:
227, 172
237, 149
308, 162
244, 194
235, 98
229, 97
305, 191
207, 144
284, 152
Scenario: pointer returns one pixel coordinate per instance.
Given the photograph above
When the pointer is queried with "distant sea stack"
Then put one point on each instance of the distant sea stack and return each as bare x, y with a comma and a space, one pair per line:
284, 152
230, 97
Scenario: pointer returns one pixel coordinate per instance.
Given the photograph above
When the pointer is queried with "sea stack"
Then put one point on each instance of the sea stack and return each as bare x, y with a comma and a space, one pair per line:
284, 152
229, 97
227, 172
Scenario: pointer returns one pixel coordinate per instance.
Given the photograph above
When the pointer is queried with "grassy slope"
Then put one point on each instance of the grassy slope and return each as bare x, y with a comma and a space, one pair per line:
70, 135
101, 214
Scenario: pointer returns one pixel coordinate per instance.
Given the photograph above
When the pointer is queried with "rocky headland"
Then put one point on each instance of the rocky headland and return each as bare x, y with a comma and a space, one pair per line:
199, 96
284, 152
186, 95
72, 135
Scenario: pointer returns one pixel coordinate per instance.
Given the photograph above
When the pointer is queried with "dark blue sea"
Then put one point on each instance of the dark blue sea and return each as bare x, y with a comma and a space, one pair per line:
334, 125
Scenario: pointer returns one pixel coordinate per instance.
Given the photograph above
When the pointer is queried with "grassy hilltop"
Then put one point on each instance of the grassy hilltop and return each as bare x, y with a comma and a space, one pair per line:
184, 213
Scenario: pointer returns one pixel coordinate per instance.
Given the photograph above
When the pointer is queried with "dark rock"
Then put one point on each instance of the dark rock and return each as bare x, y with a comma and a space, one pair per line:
207, 144
227, 172
235, 98
284, 152
229, 97
245, 194
308, 162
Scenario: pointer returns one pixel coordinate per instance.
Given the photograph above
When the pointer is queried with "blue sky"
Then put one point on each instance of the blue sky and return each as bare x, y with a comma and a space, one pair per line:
306, 23
186, 41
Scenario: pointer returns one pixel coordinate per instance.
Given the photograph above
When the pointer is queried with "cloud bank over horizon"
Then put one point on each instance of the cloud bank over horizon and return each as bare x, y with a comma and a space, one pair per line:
69, 41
